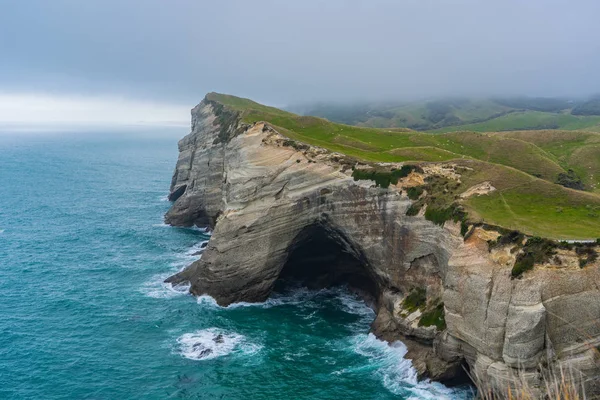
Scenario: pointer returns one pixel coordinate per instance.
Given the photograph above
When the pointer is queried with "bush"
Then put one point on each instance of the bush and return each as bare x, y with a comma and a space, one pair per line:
510, 238
536, 251
414, 192
295, 145
435, 316
440, 215
413, 210
524, 263
464, 228
416, 299
587, 255
570, 180
383, 178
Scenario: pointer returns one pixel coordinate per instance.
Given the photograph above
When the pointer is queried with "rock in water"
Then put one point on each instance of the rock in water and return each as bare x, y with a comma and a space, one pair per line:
280, 210
202, 351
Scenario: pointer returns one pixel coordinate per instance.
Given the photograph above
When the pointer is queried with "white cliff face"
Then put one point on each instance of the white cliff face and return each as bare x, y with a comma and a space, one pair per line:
277, 207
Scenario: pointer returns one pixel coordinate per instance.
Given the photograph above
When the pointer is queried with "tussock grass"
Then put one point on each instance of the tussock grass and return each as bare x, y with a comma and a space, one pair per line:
558, 384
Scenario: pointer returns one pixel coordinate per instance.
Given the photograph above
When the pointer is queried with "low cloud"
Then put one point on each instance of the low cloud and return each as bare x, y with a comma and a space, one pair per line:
37, 109
283, 52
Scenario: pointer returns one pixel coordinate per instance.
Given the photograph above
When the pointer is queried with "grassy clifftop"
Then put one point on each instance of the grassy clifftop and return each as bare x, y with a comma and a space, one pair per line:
522, 166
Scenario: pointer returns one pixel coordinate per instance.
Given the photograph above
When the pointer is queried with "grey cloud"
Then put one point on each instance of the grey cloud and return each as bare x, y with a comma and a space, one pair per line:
292, 51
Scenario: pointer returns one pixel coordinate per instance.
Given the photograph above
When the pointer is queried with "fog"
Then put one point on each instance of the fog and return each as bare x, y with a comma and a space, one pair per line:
42, 110
281, 52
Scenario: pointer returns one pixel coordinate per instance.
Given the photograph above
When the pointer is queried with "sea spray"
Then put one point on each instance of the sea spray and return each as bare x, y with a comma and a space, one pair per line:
210, 343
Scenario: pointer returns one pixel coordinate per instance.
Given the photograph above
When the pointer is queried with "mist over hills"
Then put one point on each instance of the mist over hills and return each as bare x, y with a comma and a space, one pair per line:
463, 113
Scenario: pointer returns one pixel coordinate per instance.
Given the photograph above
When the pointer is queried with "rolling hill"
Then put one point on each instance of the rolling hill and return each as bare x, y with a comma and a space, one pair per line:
457, 114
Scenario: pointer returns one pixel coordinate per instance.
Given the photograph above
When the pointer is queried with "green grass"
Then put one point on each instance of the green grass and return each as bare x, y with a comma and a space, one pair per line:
529, 120
535, 206
511, 161
460, 114
577, 150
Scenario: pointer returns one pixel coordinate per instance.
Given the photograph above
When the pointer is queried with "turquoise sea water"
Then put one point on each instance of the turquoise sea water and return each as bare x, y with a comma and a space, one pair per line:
84, 313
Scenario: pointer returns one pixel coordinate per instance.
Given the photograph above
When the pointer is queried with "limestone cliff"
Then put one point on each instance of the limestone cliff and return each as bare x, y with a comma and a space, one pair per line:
283, 209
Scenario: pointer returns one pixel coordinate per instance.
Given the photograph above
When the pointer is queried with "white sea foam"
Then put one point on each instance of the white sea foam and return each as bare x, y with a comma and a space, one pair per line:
196, 249
297, 296
349, 302
203, 229
164, 198
352, 304
386, 361
157, 288
397, 373
211, 343
208, 301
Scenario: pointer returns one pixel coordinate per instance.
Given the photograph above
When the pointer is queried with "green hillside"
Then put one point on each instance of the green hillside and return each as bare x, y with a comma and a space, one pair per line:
459, 114
523, 166
522, 120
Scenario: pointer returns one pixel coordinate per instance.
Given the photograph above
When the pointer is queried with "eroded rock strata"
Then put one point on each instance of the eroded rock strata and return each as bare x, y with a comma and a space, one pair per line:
282, 209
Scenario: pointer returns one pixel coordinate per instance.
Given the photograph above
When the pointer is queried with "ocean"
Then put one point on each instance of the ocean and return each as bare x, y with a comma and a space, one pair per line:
84, 312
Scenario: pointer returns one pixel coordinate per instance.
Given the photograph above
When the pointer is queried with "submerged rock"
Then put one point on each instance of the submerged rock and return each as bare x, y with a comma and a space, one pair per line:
285, 211
201, 350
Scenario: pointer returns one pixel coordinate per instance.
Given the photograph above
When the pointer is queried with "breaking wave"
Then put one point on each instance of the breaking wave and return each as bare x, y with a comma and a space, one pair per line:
396, 372
210, 343
157, 288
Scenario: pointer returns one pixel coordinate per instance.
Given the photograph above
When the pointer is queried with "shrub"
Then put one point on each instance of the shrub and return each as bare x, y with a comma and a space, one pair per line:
434, 316
524, 263
414, 193
536, 251
295, 145
383, 178
415, 300
413, 210
587, 255
570, 180
507, 237
464, 228
440, 215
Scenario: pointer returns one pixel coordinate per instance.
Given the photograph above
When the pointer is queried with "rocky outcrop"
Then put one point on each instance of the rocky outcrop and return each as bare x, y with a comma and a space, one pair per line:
281, 209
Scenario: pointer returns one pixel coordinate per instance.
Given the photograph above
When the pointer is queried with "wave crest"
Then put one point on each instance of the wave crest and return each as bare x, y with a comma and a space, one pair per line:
211, 343
397, 373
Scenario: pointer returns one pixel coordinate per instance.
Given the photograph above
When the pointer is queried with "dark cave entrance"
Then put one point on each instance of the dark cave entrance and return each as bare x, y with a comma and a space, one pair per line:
320, 257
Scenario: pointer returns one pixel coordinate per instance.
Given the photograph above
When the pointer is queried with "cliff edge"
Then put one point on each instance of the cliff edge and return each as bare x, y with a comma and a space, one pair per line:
281, 209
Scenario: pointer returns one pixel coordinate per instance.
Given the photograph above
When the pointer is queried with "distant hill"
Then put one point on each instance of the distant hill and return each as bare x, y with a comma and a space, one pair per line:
456, 114
590, 107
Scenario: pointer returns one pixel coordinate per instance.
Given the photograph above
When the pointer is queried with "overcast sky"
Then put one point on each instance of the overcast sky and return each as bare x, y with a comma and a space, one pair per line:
166, 54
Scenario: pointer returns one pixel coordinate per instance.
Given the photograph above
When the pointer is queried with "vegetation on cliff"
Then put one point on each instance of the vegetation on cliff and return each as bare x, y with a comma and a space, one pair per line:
383, 178
523, 166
